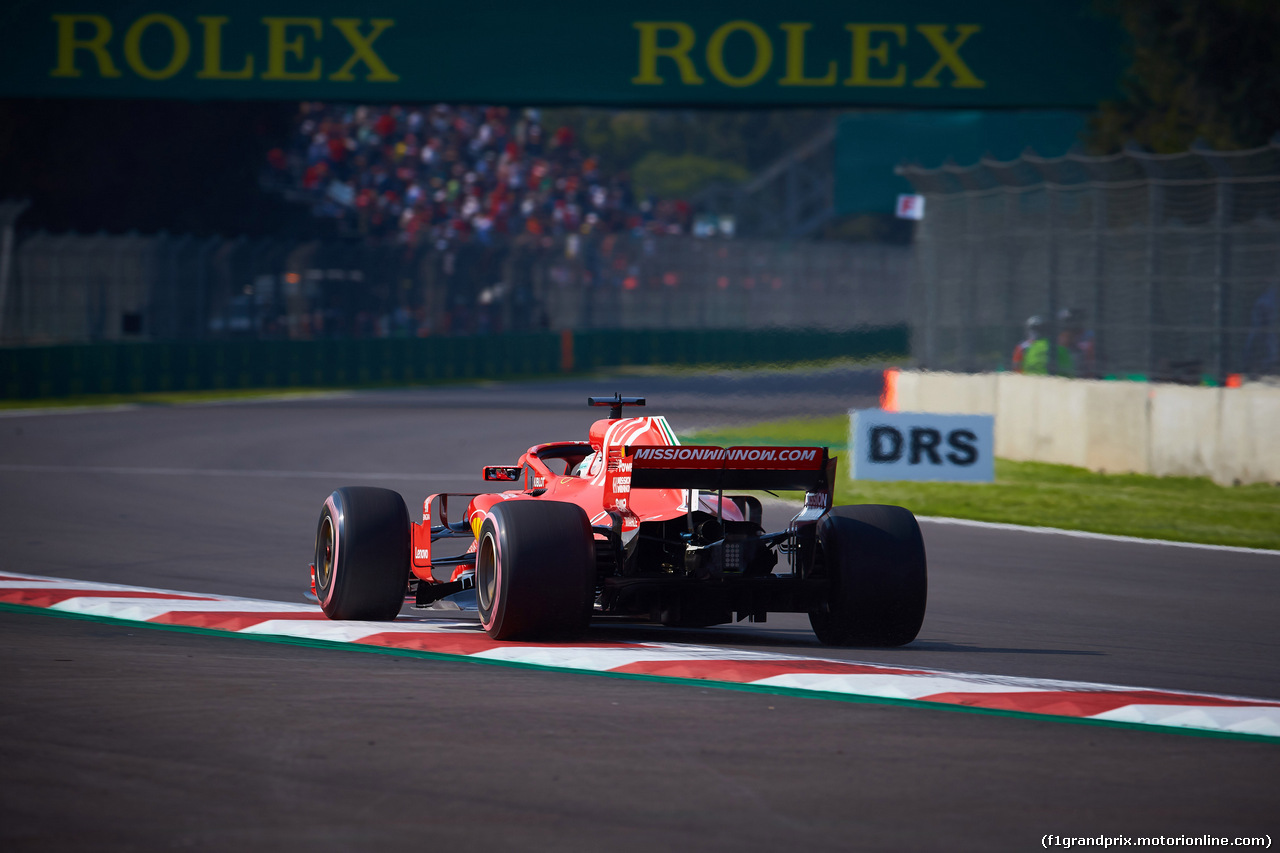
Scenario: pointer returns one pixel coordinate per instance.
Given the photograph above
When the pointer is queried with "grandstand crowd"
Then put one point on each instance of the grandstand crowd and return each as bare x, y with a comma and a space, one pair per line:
449, 174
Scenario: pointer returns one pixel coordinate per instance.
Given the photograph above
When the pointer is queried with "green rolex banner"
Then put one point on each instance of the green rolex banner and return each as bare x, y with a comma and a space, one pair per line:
981, 53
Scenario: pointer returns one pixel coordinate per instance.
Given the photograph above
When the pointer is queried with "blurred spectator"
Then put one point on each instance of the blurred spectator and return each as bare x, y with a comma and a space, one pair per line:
458, 173
1035, 331
1031, 356
1079, 342
1262, 346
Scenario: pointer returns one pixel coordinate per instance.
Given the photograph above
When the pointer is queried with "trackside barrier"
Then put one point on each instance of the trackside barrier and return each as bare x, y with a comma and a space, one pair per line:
42, 372
28, 373
1231, 435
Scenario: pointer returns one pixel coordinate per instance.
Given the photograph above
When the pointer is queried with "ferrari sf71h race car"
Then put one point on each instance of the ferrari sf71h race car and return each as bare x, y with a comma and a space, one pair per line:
631, 523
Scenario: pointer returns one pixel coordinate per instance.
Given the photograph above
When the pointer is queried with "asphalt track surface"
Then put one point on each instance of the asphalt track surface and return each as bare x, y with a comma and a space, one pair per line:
119, 738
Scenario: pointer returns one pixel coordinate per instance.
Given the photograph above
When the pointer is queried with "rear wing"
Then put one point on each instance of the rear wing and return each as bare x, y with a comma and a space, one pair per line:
799, 469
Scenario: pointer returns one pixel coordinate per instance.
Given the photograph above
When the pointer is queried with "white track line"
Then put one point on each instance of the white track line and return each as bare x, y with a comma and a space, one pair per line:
1083, 534
225, 472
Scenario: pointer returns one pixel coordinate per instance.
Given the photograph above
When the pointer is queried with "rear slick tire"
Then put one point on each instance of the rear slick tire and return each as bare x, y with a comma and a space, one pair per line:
874, 558
535, 570
362, 554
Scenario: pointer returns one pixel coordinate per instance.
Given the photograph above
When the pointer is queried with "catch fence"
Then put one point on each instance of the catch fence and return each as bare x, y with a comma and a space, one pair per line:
73, 288
1164, 266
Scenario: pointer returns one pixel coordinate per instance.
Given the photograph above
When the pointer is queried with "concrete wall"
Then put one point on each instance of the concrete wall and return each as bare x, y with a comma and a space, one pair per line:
1229, 434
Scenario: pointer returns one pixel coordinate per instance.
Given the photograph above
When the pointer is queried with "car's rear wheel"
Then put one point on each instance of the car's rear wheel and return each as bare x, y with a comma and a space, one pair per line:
362, 554
535, 570
874, 558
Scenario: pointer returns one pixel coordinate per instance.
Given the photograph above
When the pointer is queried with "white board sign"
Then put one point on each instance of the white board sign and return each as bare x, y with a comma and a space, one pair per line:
910, 207
921, 446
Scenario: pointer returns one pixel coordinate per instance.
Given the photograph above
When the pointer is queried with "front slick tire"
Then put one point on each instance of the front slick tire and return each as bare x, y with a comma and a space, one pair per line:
535, 570
874, 557
362, 554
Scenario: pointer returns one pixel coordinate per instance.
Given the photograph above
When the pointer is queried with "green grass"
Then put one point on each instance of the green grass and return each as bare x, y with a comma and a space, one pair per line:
1180, 508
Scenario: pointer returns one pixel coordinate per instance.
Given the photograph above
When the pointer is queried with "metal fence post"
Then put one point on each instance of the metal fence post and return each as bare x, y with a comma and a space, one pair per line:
1012, 198
1221, 282
9, 213
202, 287
1099, 271
926, 273
1051, 285
968, 286
1155, 217
1223, 198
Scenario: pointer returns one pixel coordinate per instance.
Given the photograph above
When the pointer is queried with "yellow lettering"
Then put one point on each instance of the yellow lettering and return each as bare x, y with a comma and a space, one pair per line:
362, 50
213, 53
715, 53
863, 53
949, 56
795, 60
96, 44
678, 53
280, 47
133, 46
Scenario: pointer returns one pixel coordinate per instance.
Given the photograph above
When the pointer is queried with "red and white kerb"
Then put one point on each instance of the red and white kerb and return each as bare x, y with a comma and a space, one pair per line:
816, 676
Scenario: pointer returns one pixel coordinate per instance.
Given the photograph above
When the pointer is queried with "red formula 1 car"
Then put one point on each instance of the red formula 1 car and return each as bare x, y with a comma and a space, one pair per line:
631, 523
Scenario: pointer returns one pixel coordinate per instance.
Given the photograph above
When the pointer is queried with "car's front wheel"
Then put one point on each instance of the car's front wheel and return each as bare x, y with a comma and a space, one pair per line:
535, 570
362, 554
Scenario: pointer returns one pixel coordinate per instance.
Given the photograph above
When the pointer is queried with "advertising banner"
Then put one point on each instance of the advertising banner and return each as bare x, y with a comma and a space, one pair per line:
921, 446
981, 53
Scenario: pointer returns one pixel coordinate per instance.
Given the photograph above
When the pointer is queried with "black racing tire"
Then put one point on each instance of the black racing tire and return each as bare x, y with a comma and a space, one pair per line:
535, 570
362, 554
874, 558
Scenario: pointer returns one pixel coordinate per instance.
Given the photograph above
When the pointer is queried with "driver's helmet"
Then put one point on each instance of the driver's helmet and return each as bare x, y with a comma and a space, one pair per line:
583, 468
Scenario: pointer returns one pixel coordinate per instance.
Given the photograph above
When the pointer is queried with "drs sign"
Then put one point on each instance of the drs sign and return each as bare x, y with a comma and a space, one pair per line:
921, 446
